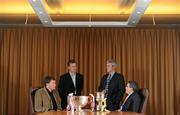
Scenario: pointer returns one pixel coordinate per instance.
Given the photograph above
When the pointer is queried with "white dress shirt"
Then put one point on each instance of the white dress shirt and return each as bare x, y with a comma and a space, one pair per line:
73, 77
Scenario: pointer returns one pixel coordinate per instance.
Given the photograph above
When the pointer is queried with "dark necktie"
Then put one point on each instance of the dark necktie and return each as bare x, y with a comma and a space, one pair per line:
107, 84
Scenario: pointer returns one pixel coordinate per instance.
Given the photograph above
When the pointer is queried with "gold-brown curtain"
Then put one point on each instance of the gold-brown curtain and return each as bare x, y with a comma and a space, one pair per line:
151, 56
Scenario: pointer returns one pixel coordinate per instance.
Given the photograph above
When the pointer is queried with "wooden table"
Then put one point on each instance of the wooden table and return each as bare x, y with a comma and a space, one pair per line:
87, 113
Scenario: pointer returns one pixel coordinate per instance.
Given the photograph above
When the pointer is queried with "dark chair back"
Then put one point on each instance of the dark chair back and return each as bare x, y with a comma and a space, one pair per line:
32, 94
144, 94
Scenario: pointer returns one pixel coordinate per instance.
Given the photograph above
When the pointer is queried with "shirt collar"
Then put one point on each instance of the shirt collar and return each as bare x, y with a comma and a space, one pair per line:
112, 74
130, 93
49, 91
72, 74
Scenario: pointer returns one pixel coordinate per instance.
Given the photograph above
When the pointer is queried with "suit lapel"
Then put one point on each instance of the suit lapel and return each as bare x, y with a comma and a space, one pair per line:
69, 77
76, 80
129, 98
111, 80
55, 97
47, 93
49, 98
113, 77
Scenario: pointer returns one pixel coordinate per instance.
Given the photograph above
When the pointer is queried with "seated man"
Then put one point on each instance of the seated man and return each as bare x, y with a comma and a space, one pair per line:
47, 98
132, 101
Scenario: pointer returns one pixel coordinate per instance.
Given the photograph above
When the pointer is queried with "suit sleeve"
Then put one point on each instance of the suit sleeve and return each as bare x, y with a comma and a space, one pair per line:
136, 104
80, 85
58, 100
100, 88
38, 103
121, 88
60, 87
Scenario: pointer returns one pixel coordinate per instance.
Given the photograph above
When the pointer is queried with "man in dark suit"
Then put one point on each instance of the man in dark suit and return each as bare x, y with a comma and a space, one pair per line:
71, 82
132, 101
113, 86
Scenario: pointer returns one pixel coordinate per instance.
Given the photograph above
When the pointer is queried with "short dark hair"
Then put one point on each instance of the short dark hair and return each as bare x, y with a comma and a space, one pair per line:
134, 85
71, 61
47, 79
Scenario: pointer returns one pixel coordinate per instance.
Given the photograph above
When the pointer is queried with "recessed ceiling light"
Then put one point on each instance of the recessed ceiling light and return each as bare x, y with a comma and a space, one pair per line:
139, 12
34, 0
145, 0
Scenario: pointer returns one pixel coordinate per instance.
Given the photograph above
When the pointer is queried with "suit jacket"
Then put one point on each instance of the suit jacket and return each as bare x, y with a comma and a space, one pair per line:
43, 102
66, 86
115, 92
132, 103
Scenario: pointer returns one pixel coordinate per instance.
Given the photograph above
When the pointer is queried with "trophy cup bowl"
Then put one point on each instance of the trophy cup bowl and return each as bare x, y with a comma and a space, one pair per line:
78, 102
83, 101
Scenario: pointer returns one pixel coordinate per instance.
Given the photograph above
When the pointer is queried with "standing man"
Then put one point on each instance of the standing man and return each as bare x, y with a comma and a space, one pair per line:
71, 82
113, 86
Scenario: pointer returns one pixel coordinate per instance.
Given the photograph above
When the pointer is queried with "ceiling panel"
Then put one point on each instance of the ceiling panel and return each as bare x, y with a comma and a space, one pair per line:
89, 7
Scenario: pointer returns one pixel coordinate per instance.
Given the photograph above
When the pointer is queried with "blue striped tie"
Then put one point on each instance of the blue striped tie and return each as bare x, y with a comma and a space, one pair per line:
107, 84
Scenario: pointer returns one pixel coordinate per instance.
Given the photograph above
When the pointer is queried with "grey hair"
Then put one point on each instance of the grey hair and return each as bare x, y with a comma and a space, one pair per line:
113, 62
134, 85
